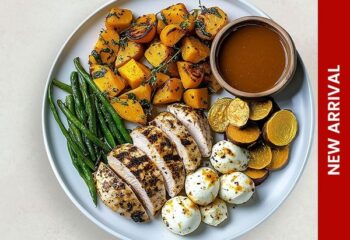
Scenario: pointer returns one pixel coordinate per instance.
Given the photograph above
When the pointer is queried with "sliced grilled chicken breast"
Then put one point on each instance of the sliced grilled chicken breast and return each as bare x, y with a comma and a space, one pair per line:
117, 195
158, 147
186, 146
133, 165
196, 123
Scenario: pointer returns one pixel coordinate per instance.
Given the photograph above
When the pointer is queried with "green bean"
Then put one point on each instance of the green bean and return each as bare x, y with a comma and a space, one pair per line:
80, 110
70, 140
72, 135
62, 85
70, 103
86, 175
75, 131
107, 134
89, 181
118, 121
90, 147
78, 98
91, 118
75, 161
111, 124
94, 115
70, 116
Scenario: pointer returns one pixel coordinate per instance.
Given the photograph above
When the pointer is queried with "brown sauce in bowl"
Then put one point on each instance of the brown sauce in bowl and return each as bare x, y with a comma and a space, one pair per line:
252, 58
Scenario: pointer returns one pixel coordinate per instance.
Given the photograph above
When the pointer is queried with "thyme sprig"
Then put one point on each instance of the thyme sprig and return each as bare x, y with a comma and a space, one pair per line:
200, 4
153, 77
211, 10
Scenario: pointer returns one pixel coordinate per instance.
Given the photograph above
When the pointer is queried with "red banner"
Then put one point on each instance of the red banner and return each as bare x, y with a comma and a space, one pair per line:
333, 119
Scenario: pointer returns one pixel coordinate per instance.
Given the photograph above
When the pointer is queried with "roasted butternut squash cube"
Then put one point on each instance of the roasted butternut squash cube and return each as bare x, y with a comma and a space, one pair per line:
171, 70
147, 19
191, 74
161, 78
133, 72
130, 110
106, 47
144, 29
145, 70
106, 80
157, 53
142, 92
170, 92
171, 34
128, 51
210, 22
118, 19
193, 50
174, 14
197, 98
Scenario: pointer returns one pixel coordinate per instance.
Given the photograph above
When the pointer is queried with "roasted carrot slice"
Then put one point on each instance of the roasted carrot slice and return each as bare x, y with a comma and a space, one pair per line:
243, 136
258, 176
280, 157
260, 157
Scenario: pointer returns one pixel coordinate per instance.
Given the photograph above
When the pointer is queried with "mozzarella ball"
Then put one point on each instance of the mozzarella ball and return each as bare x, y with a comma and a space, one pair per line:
227, 157
214, 213
236, 188
180, 215
202, 186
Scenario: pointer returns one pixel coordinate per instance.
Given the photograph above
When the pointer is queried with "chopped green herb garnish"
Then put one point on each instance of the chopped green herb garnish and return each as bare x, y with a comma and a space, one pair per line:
211, 10
184, 25
145, 104
97, 56
200, 25
99, 74
131, 96
105, 42
112, 14
106, 50
125, 103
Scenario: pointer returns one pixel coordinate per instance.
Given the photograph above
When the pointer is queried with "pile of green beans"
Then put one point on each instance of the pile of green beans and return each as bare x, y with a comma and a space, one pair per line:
94, 127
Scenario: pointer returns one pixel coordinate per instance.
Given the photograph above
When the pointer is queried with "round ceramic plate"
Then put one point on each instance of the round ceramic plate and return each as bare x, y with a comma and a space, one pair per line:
296, 96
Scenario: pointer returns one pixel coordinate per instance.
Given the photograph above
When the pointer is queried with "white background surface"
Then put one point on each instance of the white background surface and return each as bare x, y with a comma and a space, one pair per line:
32, 204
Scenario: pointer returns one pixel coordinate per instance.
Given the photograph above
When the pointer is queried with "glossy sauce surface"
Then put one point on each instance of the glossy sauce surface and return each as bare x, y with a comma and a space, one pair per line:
252, 58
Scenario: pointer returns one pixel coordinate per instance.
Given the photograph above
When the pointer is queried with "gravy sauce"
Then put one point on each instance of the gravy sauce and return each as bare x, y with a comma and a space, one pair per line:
252, 58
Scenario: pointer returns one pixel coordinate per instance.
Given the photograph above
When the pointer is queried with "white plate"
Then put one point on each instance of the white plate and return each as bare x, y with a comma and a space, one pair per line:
297, 96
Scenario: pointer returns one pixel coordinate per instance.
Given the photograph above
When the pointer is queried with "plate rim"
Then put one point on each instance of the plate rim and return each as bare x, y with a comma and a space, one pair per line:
95, 220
